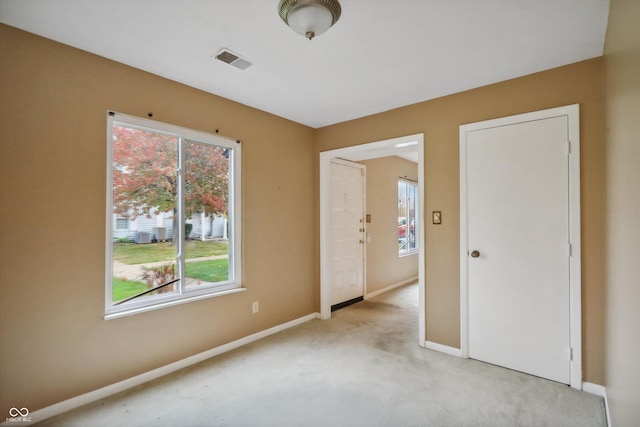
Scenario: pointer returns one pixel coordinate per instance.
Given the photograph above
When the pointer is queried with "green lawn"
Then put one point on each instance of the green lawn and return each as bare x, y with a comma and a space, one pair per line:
216, 270
125, 288
131, 253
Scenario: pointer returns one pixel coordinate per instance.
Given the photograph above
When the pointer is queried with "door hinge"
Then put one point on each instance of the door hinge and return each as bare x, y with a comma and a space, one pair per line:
571, 354
568, 147
570, 250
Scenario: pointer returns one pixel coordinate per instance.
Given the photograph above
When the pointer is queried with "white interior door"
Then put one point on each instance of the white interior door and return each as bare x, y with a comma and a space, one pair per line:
518, 247
347, 226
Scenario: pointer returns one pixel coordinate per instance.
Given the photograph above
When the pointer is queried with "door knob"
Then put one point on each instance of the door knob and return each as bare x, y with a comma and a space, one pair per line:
475, 254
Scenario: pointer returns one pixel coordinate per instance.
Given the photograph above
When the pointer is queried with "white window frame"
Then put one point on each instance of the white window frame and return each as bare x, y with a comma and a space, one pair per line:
184, 294
408, 251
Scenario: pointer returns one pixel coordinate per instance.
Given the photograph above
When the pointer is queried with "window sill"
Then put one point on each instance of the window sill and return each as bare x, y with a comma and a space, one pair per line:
402, 255
137, 310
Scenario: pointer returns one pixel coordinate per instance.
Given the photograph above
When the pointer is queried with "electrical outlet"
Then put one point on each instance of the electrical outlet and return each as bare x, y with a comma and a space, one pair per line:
255, 307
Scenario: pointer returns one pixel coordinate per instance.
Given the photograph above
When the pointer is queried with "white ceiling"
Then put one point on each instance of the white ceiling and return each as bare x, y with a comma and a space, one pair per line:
380, 55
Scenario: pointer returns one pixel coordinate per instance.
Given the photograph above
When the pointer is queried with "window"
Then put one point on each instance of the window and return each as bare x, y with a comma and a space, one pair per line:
122, 223
408, 241
167, 186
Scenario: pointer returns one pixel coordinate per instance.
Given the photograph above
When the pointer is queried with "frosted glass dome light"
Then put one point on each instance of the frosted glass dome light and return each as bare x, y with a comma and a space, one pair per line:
309, 17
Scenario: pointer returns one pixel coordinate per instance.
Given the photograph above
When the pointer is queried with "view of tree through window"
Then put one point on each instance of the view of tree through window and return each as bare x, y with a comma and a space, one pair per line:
407, 216
171, 222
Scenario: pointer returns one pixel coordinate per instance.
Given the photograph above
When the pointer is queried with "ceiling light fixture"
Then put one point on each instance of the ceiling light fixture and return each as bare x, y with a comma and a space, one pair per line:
309, 17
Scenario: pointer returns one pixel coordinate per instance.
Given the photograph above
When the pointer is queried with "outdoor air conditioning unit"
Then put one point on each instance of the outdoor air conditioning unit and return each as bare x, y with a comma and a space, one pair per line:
143, 237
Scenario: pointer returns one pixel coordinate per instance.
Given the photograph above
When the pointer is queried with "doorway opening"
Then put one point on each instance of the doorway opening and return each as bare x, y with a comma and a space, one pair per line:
411, 146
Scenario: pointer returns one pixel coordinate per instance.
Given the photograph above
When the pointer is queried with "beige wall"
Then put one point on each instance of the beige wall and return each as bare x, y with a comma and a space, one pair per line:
54, 341
439, 120
622, 89
384, 267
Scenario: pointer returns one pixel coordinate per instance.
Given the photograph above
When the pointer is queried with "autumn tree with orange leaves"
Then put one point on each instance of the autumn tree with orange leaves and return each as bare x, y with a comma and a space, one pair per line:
145, 175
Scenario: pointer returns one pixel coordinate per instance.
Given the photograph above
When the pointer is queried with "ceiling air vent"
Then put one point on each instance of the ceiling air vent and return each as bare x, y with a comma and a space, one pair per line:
234, 59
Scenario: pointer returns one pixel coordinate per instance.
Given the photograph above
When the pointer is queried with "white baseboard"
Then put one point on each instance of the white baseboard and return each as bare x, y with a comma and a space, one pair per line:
443, 348
101, 393
390, 288
596, 389
601, 391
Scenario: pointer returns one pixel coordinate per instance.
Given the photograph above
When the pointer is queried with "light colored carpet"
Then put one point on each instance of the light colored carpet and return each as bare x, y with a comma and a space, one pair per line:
361, 368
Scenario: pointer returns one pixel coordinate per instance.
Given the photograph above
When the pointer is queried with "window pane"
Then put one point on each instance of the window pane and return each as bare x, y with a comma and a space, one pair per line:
407, 217
122, 223
402, 214
411, 215
206, 207
145, 186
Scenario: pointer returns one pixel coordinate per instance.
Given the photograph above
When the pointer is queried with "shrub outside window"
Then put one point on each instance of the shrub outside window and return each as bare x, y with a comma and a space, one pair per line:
178, 192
